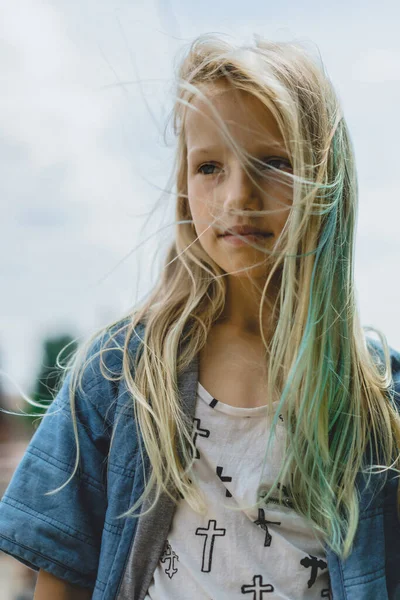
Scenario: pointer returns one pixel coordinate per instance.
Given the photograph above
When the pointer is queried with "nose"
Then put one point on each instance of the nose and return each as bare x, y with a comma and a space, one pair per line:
241, 191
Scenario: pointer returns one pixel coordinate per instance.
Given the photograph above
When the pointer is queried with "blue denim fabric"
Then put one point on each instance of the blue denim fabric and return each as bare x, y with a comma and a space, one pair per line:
75, 534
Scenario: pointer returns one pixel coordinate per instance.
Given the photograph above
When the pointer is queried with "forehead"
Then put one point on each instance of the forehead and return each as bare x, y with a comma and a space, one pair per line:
247, 119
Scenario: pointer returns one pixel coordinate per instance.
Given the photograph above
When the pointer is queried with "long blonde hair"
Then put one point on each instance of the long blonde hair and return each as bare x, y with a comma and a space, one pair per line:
337, 399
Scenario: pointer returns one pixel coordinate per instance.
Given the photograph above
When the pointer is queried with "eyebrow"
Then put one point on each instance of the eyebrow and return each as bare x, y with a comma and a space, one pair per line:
262, 148
203, 150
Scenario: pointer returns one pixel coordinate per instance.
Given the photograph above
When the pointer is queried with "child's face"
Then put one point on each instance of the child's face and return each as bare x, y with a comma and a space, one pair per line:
218, 185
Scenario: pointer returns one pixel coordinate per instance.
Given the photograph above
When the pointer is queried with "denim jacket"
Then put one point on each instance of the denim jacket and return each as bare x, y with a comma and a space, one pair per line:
75, 534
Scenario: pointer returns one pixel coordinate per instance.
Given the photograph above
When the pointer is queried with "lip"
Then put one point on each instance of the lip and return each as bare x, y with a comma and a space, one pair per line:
244, 230
244, 239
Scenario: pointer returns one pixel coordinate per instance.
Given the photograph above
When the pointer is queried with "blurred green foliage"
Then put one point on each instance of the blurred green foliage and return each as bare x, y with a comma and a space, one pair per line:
49, 376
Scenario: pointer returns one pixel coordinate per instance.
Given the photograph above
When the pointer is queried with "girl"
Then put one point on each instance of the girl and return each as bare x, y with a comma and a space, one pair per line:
236, 436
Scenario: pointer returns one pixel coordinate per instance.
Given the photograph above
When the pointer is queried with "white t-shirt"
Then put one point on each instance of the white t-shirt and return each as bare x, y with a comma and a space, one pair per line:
260, 553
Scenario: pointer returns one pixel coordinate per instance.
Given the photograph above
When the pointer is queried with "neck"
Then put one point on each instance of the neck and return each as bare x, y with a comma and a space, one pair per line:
242, 306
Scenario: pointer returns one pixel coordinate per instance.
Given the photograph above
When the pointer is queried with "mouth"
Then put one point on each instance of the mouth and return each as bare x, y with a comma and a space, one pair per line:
235, 240
246, 235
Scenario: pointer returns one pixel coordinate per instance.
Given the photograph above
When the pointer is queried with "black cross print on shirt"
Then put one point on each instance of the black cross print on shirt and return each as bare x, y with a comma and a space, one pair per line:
210, 532
199, 431
327, 593
224, 478
286, 500
169, 555
262, 522
258, 589
315, 564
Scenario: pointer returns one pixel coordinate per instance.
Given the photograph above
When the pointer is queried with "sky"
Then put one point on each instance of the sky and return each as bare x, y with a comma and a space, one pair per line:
85, 151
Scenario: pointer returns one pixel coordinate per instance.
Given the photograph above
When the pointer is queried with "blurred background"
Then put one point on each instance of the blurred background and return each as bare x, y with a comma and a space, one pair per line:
85, 156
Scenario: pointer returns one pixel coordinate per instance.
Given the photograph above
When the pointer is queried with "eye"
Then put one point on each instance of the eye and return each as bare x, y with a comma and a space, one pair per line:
280, 161
207, 166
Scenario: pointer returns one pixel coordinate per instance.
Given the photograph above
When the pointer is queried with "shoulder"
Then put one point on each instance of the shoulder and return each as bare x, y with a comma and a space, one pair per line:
98, 372
52, 514
377, 351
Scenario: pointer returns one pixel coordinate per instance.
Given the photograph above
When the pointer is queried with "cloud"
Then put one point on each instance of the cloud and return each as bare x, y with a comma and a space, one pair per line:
377, 65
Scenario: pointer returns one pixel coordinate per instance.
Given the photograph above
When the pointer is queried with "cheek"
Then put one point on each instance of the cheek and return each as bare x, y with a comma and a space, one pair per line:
281, 198
280, 189
199, 208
